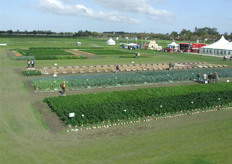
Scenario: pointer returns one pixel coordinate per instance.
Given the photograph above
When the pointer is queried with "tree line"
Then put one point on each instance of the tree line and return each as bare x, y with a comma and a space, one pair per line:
202, 34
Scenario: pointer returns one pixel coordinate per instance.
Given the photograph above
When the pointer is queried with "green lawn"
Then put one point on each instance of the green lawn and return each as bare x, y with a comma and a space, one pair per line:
25, 138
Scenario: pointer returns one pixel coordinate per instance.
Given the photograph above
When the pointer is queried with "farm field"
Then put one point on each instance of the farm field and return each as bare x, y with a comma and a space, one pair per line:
25, 136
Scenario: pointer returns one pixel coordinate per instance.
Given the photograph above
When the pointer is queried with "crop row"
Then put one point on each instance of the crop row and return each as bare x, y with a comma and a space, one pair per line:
80, 48
49, 48
117, 79
126, 105
108, 52
44, 52
24, 57
58, 57
31, 73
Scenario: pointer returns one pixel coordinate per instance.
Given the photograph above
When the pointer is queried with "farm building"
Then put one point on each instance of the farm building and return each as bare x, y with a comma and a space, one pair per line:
110, 42
221, 47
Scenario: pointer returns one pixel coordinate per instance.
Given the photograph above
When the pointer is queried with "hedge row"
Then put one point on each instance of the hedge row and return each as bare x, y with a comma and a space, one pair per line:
117, 106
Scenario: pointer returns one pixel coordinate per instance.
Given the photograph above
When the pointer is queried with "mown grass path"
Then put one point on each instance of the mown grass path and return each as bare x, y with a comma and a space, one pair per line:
203, 138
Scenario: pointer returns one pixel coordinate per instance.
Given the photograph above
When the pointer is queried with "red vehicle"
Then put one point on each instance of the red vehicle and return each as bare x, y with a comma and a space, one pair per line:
168, 49
185, 47
197, 46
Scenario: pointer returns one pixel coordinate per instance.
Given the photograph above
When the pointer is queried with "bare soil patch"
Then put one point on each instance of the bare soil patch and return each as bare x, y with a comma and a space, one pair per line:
17, 54
79, 53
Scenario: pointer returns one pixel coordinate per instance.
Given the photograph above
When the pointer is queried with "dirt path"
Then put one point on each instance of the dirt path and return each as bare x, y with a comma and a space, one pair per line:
17, 54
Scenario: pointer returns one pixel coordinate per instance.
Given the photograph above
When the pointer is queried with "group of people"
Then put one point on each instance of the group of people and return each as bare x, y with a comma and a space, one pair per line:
30, 63
171, 65
208, 78
224, 58
137, 55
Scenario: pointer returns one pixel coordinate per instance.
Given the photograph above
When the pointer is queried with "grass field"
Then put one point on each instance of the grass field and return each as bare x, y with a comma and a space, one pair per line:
25, 138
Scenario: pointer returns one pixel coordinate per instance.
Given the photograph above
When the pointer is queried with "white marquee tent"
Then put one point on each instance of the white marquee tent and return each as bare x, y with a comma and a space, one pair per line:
173, 45
221, 47
110, 42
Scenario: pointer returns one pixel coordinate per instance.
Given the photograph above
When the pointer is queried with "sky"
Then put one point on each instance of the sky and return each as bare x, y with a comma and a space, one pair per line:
150, 16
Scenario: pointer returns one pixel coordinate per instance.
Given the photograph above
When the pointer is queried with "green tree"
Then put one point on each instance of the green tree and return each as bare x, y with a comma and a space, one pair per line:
174, 35
9, 32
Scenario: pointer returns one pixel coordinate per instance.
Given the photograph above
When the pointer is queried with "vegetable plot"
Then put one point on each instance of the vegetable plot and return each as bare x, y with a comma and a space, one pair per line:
112, 79
105, 51
49, 54
121, 106
44, 52
31, 73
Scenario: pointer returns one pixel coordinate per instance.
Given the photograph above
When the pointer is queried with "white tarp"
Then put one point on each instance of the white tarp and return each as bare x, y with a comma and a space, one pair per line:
221, 47
110, 42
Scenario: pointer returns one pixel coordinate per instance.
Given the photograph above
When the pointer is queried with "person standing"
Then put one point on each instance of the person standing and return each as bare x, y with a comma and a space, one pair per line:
198, 76
63, 86
204, 78
173, 65
117, 68
216, 77
28, 64
224, 58
210, 77
170, 65
32, 63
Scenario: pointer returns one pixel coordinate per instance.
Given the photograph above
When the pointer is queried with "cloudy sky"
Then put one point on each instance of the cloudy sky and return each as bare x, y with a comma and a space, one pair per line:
157, 16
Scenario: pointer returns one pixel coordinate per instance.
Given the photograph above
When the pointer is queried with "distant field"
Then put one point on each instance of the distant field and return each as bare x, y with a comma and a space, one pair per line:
25, 136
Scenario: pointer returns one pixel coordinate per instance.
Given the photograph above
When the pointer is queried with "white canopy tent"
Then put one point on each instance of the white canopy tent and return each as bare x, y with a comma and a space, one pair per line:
221, 47
131, 44
173, 45
110, 42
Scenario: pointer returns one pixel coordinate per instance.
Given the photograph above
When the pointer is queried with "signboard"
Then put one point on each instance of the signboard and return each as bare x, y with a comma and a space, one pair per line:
71, 114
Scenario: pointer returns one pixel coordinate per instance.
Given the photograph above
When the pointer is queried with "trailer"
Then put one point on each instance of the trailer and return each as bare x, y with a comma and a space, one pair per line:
197, 46
185, 47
